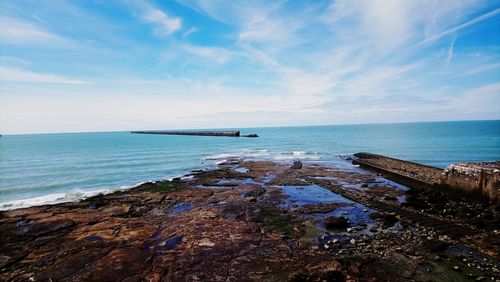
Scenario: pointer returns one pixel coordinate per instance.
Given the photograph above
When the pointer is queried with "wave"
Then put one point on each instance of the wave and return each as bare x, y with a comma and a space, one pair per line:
57, 198
80, 194
252, 154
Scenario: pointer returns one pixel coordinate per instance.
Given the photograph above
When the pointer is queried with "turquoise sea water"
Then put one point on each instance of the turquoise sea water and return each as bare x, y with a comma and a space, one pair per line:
49, 168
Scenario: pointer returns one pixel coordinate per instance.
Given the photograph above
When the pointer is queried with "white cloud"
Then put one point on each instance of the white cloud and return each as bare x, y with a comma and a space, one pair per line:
456, 28
17, 31
189, 32
215, 54
257, 21
356, 61
20, 75
449, 55
479, 69
165, 25
389, 24
483, 99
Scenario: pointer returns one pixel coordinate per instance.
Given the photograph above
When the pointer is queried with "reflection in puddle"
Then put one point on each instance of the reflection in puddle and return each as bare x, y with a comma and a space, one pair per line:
241, 169
181, 207
356, 214
311, 194
171, 242
236, 182
227, 183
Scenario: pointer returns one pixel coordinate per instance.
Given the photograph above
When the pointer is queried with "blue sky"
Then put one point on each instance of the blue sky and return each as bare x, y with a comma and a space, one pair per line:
122, 65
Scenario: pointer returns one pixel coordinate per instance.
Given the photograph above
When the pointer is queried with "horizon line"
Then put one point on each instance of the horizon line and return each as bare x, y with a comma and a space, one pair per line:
251, 127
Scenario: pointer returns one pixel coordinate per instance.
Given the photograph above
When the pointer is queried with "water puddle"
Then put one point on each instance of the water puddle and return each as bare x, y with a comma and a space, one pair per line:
356, 214
21, 223
236, 182
241, 169
311, 194
93, 238
181, 207
213, 187
227, 183
156, 244
171, 243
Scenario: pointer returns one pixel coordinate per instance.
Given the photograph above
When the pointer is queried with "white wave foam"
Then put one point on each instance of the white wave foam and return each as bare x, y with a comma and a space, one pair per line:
263, 155
56, 198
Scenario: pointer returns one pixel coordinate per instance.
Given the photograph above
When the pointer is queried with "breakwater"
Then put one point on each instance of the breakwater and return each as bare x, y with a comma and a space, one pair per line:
229, 133
478, 179
408, 173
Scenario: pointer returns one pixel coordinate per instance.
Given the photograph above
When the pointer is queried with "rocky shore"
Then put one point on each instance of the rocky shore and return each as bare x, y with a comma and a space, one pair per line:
256, 221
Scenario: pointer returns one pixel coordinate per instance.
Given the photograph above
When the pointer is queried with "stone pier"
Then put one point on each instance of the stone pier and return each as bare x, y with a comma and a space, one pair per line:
476, 179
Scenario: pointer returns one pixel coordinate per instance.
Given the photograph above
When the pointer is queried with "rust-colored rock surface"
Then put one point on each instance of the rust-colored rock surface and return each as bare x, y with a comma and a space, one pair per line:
255, 221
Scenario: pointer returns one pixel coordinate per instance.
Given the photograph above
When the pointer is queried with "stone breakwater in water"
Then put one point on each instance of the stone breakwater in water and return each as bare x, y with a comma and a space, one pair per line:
260, 221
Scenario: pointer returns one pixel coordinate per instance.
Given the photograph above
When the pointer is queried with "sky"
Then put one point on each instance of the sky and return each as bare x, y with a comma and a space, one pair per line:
93, 65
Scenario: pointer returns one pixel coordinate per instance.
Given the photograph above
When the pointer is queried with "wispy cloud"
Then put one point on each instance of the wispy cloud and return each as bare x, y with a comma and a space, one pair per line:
449, 55
164, 24
468, 23
189, 32
224, 62
17, 31
482, 99
214, 54
479, 69
21, 75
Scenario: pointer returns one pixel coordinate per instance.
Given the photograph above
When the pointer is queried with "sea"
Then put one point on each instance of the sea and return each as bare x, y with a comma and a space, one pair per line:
39, 169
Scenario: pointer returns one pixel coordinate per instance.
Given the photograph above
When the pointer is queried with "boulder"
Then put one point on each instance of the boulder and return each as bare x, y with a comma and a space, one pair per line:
336, 222
297, 164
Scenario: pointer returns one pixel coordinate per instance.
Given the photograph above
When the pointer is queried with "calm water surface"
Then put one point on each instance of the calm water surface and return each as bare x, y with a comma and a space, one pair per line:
49, 168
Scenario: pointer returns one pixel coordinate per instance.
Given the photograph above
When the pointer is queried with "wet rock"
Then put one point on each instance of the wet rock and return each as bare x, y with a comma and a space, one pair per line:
253, 135
251, 198
330, 276
376, 215
255, 192
334, 222
320, 208
362, 224
435, 245
390, 198
388, 219
180, 231
297, 164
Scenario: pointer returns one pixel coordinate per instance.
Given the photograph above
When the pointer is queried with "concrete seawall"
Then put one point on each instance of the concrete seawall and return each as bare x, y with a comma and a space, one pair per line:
479, 179
235, 133
231, 133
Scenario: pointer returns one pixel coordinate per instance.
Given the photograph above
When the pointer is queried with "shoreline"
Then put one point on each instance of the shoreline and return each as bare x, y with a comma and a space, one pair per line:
212, 160
257, 220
